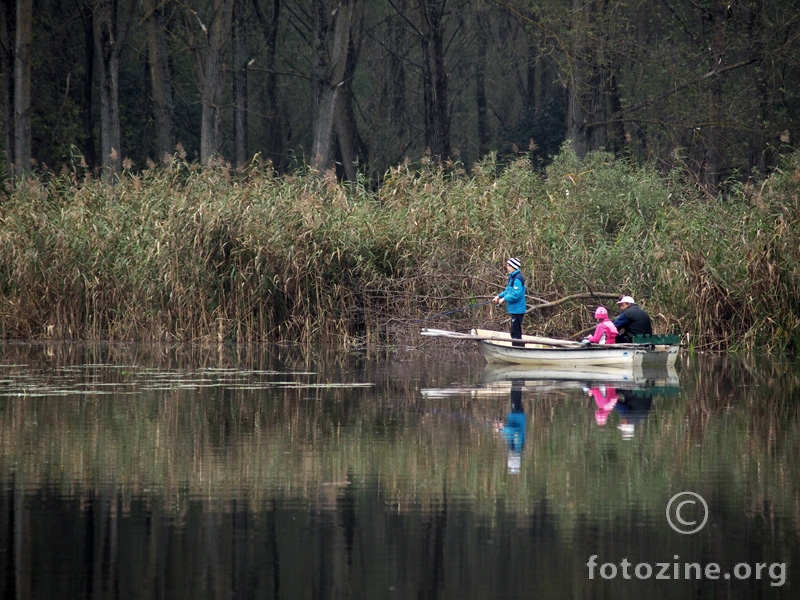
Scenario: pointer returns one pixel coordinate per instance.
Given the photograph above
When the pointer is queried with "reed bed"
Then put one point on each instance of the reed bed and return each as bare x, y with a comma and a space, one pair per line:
193, 254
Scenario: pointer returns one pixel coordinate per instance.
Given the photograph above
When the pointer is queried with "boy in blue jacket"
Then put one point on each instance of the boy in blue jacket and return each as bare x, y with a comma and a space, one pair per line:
514, 298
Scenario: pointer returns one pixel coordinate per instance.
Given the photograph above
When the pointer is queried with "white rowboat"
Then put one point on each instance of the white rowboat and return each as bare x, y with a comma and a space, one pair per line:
497, 347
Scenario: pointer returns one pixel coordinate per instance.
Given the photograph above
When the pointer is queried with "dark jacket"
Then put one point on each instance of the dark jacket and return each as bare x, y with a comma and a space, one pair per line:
635, 321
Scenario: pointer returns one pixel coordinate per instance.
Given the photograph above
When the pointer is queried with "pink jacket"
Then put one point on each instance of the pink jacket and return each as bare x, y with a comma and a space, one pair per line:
606, 326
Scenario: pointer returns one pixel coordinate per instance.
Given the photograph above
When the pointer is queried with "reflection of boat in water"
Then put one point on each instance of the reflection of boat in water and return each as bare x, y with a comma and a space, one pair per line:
495, 372
498, 347
659, 374
497, 379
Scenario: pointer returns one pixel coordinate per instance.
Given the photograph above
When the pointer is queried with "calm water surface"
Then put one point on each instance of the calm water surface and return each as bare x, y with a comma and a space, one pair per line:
132, 471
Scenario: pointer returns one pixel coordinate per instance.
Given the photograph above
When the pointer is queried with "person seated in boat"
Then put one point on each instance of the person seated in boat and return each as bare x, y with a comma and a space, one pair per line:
514, 298
605, 332
632, 321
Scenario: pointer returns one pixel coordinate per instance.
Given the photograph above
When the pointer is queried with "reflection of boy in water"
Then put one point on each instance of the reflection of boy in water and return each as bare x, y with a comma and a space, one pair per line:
605, 399
514, 428
633, 409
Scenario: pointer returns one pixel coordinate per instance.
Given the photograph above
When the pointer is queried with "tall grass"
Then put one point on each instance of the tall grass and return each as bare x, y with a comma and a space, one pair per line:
188, 253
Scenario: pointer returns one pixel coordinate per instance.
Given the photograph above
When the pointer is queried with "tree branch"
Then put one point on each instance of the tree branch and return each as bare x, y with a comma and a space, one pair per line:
572, 297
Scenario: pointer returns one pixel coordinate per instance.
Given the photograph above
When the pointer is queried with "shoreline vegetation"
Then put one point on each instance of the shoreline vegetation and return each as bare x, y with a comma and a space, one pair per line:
191, 254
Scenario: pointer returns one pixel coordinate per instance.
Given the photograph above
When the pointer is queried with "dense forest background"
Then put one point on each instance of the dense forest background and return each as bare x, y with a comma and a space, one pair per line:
707, 86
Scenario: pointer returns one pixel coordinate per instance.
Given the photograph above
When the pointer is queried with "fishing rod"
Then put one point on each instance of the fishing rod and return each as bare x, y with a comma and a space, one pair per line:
450, 312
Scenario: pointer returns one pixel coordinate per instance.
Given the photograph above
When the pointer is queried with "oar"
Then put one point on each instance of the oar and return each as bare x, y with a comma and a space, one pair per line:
449, 334
530, 339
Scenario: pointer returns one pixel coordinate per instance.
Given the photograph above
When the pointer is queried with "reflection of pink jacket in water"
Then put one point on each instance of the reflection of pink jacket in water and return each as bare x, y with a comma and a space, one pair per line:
605, 403
605, 327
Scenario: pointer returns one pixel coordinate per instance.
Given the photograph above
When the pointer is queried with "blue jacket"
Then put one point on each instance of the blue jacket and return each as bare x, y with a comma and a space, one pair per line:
514, 294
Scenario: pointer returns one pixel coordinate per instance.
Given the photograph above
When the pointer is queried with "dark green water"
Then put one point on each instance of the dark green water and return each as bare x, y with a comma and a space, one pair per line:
132, 471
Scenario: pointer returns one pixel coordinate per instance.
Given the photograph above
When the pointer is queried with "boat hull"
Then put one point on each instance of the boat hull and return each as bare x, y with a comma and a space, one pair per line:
499, 349
496, 352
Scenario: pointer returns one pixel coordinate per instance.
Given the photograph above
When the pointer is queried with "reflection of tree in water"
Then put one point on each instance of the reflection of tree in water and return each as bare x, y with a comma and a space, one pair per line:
292, 442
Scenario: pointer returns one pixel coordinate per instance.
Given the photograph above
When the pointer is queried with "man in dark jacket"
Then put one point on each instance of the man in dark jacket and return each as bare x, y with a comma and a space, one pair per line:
633, 319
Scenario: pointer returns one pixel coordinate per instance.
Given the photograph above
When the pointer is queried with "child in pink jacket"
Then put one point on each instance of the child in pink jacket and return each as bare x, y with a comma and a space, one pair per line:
605, 332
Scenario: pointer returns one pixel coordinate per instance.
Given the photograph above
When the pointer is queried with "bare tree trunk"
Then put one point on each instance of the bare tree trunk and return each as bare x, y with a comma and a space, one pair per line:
352, 149
212, 77
87, 103
105, 41
434, 75
712, 159
332, 30
598, 98
160, 79
22, 88
535, 79
759, 144
240, 60
577, 117
578, 125
273, 113
615, 130
7, 36
109, 40
480, 84
592, 93
397, 71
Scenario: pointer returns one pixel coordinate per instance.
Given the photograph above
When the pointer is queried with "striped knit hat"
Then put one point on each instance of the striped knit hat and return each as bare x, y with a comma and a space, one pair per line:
513, 263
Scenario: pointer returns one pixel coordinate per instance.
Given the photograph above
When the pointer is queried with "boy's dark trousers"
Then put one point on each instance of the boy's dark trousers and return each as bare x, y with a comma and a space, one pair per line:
516, 329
